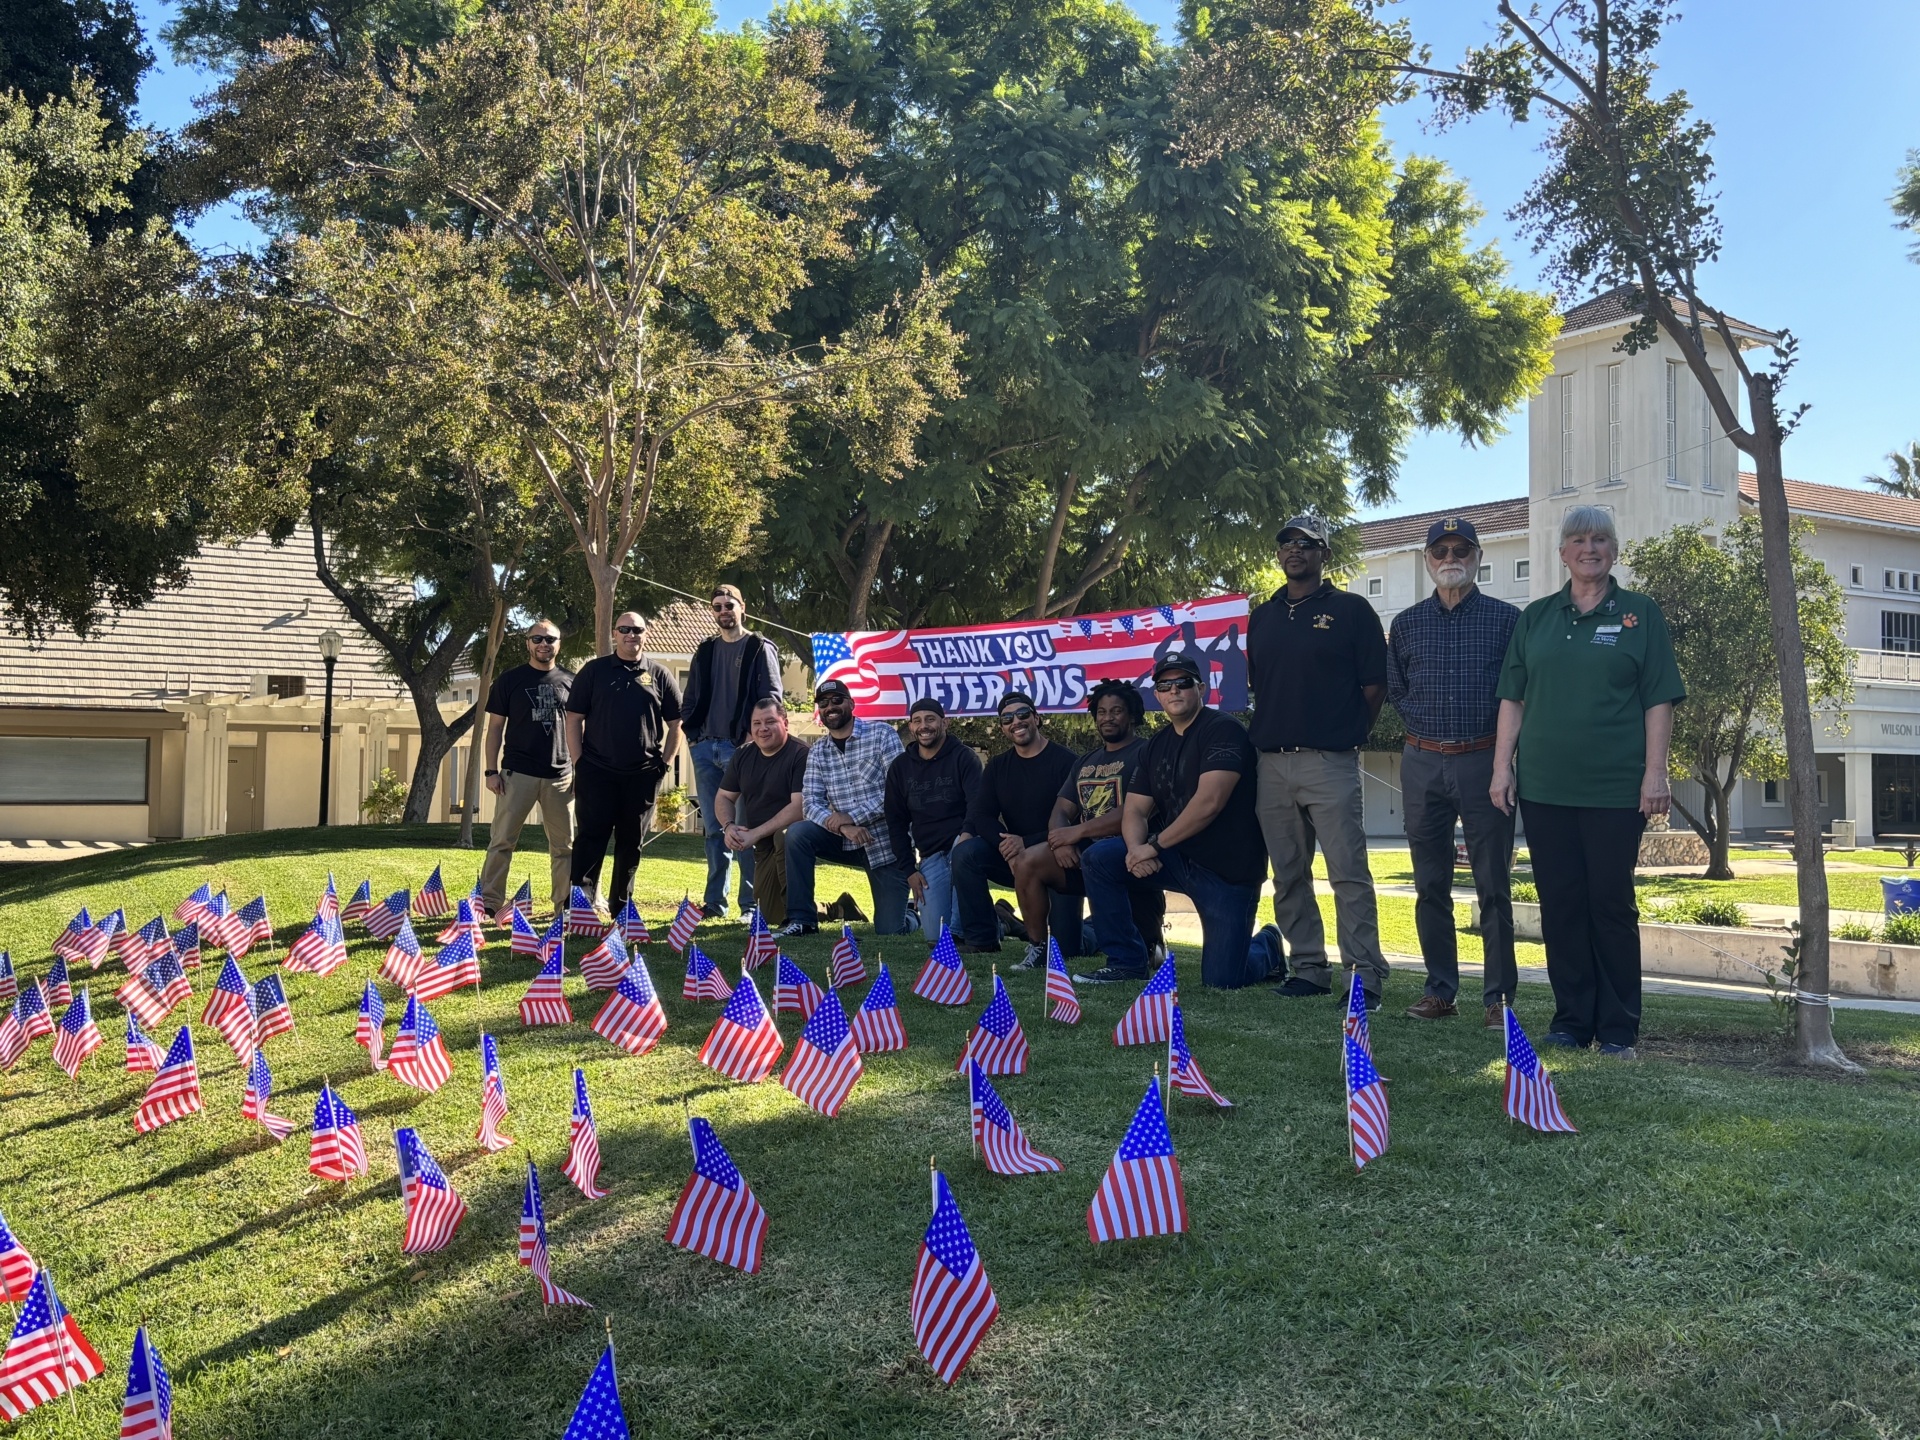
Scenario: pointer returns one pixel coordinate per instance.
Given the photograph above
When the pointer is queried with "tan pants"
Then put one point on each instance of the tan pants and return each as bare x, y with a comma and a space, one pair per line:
770, 878
1309, 797
517, 797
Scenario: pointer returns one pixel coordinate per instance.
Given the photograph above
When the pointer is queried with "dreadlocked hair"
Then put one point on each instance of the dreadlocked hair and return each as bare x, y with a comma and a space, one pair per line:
1129, 696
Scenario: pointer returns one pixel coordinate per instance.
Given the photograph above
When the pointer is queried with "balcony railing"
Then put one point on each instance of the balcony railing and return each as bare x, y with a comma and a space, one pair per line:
1886, 667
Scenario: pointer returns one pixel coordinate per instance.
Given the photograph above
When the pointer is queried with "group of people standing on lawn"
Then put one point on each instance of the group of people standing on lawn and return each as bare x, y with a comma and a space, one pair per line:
1560, 716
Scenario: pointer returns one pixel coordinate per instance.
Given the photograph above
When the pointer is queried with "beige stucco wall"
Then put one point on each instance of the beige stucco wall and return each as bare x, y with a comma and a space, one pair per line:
290, 770
74, 822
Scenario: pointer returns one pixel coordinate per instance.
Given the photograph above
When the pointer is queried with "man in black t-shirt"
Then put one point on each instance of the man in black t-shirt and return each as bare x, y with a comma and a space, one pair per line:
759, 796
1047, 877
524, 709
1010, 811
623, 725
1187, 824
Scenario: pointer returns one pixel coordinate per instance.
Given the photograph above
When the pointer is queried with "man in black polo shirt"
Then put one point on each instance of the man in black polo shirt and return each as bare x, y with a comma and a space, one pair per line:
1317, 666
623, 725
1187, 824
524, 712
1010, 811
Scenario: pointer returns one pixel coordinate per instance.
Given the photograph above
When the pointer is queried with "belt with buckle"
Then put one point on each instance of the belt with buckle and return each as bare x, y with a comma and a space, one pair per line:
1451, 747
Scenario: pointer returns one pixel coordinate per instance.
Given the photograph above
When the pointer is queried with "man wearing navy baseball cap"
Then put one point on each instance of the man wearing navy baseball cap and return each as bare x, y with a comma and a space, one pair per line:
1444, 657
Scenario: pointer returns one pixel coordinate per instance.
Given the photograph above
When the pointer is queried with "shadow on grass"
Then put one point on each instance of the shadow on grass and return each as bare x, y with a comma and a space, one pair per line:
187, 1170
337, 1200
105, 1110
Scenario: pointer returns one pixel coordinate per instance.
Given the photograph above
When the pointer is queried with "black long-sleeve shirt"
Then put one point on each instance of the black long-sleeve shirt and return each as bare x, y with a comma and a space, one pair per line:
927, 800
1016, 796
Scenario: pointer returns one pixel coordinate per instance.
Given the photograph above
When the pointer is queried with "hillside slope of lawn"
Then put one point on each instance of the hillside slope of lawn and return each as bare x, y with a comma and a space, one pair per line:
1727, 1247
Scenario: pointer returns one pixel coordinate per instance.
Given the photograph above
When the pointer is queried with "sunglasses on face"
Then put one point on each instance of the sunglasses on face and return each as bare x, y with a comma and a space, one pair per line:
721, 606
1019, 712
830, 697
1299, 544
543, 639
1179, 682
631, 629
1451, 552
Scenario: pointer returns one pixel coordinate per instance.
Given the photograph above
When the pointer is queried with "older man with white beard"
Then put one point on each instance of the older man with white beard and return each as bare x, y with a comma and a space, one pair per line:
1443, 665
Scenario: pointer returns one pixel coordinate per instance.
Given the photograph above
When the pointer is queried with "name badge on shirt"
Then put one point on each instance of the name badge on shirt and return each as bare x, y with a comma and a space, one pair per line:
1606, 634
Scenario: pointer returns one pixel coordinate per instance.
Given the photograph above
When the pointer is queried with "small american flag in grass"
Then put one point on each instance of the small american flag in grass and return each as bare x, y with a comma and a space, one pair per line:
533, 1243
847, 967
259, 1092
175, 1091
1366, 1105
876, 1024
419, 1056
632, 1017
146, 1411
384, 920
78, 1036
744, 1043
602, 966
826, 1062
545, 1000
493, 1097
998, 1137
583, 1151
760, 943
997, 1043
47, 1355
1149, 1020
370, 1026
1141, 1193
434, 1211
685, 920
952, 1304
943, 980
337, 1152
1530, 1096
1062, 1004
703, 980
794, 992
400, 966
717, 1215
1183, 1071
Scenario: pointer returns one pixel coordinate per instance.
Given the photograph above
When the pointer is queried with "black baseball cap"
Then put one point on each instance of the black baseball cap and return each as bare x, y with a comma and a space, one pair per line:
1177, 662
1015, 697
1456, 525
926, 702
832, 687
1308, 525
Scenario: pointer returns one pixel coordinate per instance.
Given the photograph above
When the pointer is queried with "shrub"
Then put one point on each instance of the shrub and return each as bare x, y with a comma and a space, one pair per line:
1704, 910
1853, 930
1902, 929
386, 798
670, 808
1526, 893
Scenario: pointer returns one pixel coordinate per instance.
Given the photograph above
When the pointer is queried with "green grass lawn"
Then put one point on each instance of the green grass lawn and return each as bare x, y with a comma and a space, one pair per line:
1726, 1249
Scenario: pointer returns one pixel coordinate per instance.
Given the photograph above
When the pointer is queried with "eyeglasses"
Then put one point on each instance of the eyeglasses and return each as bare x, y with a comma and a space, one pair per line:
1179, 682
543, 639
1019, 712
823, 696
1300, 543
1451, 552
631, 629
720, 605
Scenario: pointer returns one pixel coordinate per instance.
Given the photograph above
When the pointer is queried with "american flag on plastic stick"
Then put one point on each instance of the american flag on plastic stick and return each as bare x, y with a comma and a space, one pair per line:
602, 966
826, 1062
186, 945
175, 1091
685, 920
154, 941
703, 980
329, 898
526, 939
493, 1097
400, 966
359, 905
272, 1015
1530, 1096
384, 920
583, 1145
47, 1356
583, 918
1355, 1024
996, 1042
631, 927
419, 1056
477, 904
717, 1215
309, 947
337, 1152
523, 899
92, 946
1149, 1020
1062, 1004
598, 1416
64, 943
253, 1105
77, 1036
1366, 1105
250, 927
434, 1210
761, 946
370, 1026
147, 1411
158, 991
13, 1036
119, 936
998, 1137
432, 902
794, 992
229, 1009
545, 1000
744, 1043
17, 1267
952, 1304
533, 1244
468, 919
33, 1011
1183, 1071
847, 967
57, 987
454, 967
876, 1024
9, 982
189, 909
1141, 1193
143, 1051
216, 922
632, 1017
944, 979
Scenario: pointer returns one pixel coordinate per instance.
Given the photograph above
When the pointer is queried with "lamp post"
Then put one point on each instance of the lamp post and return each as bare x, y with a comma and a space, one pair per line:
330, 643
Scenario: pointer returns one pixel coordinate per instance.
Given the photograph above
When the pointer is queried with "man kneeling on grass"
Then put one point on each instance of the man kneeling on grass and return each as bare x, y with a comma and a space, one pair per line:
1188, 824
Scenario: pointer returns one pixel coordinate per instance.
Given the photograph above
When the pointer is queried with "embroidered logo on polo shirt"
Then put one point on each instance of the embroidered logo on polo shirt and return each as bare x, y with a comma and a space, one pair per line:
1606, 634
1323, 621
1630, 619
646, 678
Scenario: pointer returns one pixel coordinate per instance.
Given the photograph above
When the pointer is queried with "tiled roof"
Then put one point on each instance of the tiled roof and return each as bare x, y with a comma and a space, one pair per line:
1807, 498
1495, 517
675, 632
250, 609
1611, 308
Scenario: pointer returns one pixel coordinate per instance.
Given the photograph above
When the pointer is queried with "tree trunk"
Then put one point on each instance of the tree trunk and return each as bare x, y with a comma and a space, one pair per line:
879, 532
1720, 841
496, 626
436, 739
1062, 507
1813, 1026
605, 578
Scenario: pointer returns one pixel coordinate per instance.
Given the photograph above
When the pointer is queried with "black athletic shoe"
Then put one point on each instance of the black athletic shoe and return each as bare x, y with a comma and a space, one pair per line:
1034, 959
795, 927
1108, 975
1298, 989
712, 912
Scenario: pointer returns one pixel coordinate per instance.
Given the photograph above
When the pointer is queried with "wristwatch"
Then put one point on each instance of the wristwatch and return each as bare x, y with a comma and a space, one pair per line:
492, 772
1153, 839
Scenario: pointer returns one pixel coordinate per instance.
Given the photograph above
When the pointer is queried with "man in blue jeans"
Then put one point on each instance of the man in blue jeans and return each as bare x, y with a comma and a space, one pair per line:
1188, 825
733, 670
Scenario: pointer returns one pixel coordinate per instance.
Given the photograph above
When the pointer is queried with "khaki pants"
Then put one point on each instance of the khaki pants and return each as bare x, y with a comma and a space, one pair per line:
1307, 796
770, 878
517, 797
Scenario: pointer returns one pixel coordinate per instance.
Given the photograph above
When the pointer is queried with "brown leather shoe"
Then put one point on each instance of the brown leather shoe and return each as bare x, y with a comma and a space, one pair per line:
1432, 1007
1496, 1020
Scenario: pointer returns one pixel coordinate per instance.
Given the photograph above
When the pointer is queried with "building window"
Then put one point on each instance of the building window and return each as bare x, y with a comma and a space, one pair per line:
286, 687
1888, 583
1483, 574
1613, 425
1375, 585
1522, 569
1707, 436
1859, 577
58, 770
1566, 432
1673, 423
1900, 631
1770, 793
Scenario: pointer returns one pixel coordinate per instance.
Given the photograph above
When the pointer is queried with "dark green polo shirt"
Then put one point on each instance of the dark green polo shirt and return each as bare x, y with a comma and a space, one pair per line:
1587, 682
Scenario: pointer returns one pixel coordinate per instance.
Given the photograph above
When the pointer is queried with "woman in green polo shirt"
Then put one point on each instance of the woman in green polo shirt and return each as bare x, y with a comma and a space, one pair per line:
1586, 714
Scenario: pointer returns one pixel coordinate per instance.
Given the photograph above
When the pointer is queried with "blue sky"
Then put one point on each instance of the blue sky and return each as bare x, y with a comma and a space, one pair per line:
1813, 119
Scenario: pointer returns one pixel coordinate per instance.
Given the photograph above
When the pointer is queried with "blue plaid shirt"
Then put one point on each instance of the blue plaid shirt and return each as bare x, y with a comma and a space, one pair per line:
1443, 666
854, 783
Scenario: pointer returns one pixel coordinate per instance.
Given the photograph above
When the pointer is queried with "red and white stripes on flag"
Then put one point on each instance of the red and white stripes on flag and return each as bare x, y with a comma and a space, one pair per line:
952, 1304
493, 1097
703, 980
533, 1243
526, 939
685, 919
583, 1150
419, 1057
337, 1151
632, 1017
1183, 1071
1149, 1020
717, 1215
370, 1026
632, 928
876, 1024
1530, 1097
1062, 1004
174, 1093
1366, 1105
744, 1043
1141, 1193
847, 967
943, 980
545, 1001
996, 1042
400, 966
146, 1411
143, 1054
17, 1267
602, 966
583, 919
259, 1091
229, 1009
826, 1062
998, 1136
47, 1354
794, 992
760, 943
434, 1211
384, 920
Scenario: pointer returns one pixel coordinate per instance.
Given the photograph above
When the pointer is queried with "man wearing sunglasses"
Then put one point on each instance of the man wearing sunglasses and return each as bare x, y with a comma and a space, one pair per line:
623, 725
1010, 812
843, 794
1444, 659
1317, 666
732, 671
1187, 824
531, 768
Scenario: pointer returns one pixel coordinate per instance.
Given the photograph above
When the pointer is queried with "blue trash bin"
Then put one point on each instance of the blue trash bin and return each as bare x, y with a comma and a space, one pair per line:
1901, 896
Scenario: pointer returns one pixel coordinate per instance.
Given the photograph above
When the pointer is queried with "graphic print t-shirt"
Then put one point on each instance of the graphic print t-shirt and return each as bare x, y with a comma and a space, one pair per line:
1097, 783
536, 739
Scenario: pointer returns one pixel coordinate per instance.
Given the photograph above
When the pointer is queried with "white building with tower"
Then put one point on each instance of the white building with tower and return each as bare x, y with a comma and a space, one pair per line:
1634, 434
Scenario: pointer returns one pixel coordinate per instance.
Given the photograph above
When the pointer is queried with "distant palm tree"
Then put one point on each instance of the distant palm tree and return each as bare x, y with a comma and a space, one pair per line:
1905, 479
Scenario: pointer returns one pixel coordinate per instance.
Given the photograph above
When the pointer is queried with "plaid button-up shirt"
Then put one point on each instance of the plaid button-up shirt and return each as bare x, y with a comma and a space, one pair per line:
854, 782
1443, 666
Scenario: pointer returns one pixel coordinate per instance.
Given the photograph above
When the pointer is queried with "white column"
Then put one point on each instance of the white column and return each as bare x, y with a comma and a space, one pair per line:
194, 799
1860, 795
216, 770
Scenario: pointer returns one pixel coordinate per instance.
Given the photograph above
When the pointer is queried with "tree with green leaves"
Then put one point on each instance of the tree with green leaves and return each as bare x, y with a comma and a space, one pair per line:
1903, 473
1714, 595
1906, 200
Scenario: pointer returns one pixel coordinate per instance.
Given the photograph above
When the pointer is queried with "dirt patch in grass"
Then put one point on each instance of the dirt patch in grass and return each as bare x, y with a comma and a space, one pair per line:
1773, 1055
